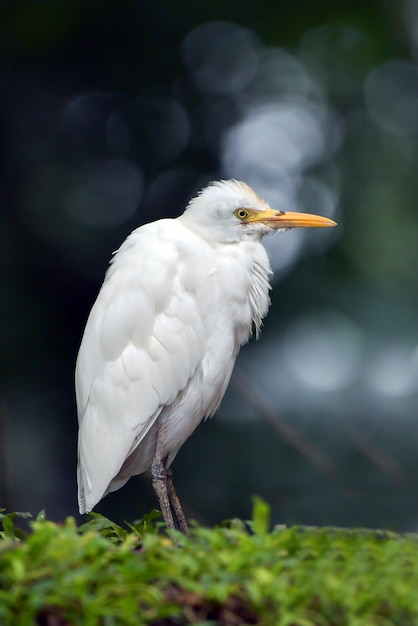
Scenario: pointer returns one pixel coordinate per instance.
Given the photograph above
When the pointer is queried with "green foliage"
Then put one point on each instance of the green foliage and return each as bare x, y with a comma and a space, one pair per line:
103, 574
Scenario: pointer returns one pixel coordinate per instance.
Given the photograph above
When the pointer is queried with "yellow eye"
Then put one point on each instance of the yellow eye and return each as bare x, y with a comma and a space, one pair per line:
241, 214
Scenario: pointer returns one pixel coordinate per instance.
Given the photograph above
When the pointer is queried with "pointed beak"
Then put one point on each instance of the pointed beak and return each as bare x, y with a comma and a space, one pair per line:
290, 219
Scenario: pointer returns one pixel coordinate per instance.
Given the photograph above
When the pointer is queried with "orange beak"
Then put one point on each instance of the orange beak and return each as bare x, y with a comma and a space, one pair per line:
290, 219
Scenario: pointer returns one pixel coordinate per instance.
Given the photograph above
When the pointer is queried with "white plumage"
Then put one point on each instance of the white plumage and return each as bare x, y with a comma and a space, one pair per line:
179, 299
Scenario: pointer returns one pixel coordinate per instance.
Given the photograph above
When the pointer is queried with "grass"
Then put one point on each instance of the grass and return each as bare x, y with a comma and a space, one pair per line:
238, 573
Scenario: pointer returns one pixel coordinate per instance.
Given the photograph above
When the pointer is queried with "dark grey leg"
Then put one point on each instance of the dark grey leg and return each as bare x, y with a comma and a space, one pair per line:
176, 505
159, 482
162, 481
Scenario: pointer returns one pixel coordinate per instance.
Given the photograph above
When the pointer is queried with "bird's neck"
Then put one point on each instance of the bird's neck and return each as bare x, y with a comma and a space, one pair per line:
246, 271
258, 294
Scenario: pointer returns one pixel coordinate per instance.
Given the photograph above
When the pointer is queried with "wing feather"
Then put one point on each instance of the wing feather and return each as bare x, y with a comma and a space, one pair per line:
143, 341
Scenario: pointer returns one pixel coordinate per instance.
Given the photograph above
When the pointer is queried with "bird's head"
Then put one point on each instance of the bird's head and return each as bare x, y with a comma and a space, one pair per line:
229, 211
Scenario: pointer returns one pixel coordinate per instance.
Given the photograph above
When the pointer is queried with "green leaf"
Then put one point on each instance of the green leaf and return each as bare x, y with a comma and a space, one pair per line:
101, 524
146, 524
8, 526
260, 523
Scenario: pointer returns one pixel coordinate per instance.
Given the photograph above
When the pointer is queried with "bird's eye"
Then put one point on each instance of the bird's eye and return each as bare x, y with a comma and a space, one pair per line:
241, 214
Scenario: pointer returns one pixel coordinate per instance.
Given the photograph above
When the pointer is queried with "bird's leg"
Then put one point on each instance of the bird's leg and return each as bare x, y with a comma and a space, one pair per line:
162, 481
160, 484
176, 505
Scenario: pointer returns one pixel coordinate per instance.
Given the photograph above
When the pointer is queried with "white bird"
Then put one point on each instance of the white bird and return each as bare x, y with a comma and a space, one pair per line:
180, 298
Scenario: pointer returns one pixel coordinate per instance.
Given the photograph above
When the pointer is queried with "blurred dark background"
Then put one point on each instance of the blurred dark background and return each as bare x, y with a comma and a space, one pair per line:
115, 113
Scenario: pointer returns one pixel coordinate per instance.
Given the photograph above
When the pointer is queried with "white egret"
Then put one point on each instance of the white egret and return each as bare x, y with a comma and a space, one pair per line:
179, 299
